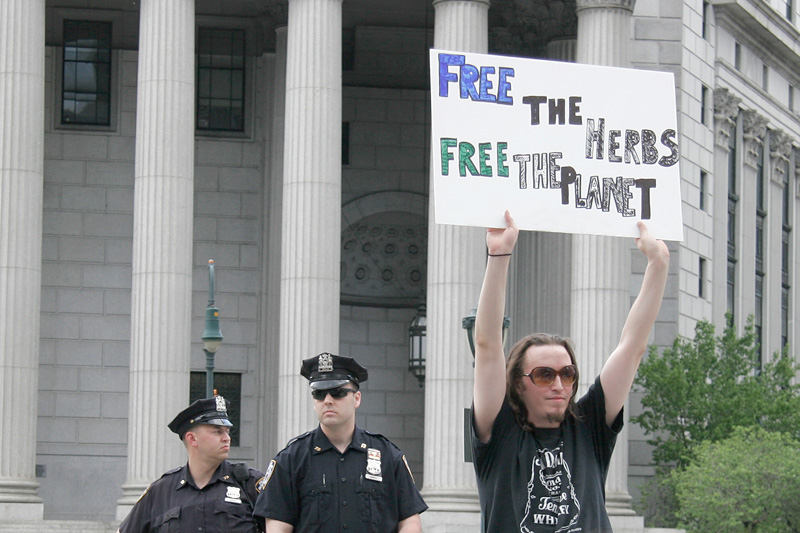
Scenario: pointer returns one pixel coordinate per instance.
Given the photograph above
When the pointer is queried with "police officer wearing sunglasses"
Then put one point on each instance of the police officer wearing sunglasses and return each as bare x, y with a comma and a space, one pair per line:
339, 477
541, 458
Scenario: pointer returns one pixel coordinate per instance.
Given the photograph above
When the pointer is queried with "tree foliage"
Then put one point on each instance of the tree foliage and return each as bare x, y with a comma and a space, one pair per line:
699, 390
746, 483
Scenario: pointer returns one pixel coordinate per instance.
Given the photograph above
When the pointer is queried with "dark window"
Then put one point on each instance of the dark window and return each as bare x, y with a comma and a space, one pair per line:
761, 216
765, 77
701, 278
348, 49
229, 386
789, 10
345, 143
737, 56
706, 18
733, 201
703, 188
220, 80
703, 104
86, 78
786, 235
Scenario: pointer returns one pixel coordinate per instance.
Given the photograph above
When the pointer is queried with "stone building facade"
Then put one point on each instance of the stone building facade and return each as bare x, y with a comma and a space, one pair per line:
289, 142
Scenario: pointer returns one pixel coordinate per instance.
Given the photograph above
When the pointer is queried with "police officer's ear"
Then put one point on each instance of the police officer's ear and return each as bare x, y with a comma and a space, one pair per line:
189, 439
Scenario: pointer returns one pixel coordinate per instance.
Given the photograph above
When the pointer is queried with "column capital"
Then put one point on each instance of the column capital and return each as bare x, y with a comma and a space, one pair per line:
279, 12
726, 108
626, 5
528, 27
755, 130
780, 151
485, 2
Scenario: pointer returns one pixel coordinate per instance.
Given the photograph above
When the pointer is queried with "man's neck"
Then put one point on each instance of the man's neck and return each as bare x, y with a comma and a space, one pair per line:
340, 436
202, 471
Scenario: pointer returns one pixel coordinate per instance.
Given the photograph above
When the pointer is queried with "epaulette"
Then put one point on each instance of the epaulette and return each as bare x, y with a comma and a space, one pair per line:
299, 437
381, 437
174, 470
240, 472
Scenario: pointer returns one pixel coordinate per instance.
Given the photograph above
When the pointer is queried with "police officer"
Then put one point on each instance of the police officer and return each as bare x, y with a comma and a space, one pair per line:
339, 477
209, 494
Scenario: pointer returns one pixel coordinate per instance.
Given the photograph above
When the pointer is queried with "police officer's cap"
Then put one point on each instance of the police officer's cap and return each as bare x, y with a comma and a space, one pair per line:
213, 411
328, 371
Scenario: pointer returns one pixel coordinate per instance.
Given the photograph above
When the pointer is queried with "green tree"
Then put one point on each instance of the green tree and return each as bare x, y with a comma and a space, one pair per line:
746, 483
698, 390
701, 389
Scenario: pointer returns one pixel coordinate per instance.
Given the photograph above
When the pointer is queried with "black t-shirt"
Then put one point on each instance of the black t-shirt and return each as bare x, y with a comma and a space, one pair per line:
551, 480
314, 487
174, 503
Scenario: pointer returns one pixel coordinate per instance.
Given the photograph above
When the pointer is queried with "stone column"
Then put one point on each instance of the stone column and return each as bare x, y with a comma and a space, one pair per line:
21, 198
162, 242
726, 111
780, 153
268, 443
456, 261
601, 267
312, 205
754, 133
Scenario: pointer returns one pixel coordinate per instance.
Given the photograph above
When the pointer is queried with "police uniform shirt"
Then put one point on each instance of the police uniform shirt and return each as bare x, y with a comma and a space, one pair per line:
314, 487
174, 503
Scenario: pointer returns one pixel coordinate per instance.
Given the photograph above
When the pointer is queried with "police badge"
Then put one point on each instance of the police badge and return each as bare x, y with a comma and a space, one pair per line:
221, 404
325, 363
373, 465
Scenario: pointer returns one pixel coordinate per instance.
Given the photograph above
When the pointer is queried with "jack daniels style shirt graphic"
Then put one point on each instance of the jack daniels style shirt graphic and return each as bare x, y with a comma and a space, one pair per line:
551, 480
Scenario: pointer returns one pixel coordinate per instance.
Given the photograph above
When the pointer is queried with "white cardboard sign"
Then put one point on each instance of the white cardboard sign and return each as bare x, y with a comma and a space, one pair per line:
564, 147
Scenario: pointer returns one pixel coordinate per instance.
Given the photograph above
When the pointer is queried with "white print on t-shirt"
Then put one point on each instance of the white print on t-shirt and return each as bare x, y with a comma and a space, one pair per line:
551, 495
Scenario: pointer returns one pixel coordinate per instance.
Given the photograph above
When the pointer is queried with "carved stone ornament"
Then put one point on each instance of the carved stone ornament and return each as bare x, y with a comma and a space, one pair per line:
526, 26
726, 105
279, 12
755, 130
780, 150
726, 108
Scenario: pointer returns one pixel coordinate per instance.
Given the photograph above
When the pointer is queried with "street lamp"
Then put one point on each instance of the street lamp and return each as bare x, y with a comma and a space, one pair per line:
417, 344
212, 336
468, 323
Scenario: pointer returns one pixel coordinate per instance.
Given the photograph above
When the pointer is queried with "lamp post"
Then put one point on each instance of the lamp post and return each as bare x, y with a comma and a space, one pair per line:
212, 336
417, 344
468, 323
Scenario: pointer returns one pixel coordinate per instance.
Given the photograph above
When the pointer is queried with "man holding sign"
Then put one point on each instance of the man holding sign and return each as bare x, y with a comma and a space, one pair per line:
541, 457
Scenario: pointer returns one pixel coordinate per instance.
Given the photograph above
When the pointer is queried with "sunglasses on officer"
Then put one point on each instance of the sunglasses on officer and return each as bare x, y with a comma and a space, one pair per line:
544, 376
337, 393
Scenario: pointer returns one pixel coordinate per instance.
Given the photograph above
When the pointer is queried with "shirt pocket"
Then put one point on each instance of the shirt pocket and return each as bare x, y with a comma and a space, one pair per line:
373, 508
168, 522
233, 517
315, 503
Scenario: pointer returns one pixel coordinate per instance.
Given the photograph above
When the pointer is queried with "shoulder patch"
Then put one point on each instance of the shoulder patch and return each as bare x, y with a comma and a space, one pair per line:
408, 468
261, 484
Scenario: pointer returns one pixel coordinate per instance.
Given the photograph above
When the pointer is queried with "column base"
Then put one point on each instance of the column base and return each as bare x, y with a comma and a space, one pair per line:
450, 521
626, 524
58, 526
451, 511
22, 511
131, 492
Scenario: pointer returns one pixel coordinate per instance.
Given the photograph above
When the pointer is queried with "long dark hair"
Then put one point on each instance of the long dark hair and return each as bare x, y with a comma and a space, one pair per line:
514, 371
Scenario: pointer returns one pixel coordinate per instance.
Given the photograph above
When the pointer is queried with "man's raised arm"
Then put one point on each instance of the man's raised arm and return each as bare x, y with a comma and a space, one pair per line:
620, 369
490, 379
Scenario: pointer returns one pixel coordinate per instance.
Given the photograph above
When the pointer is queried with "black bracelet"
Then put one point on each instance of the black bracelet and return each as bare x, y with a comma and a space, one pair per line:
498, 255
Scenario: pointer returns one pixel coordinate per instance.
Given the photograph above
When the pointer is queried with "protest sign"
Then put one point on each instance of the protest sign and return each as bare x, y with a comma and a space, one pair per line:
564, 147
